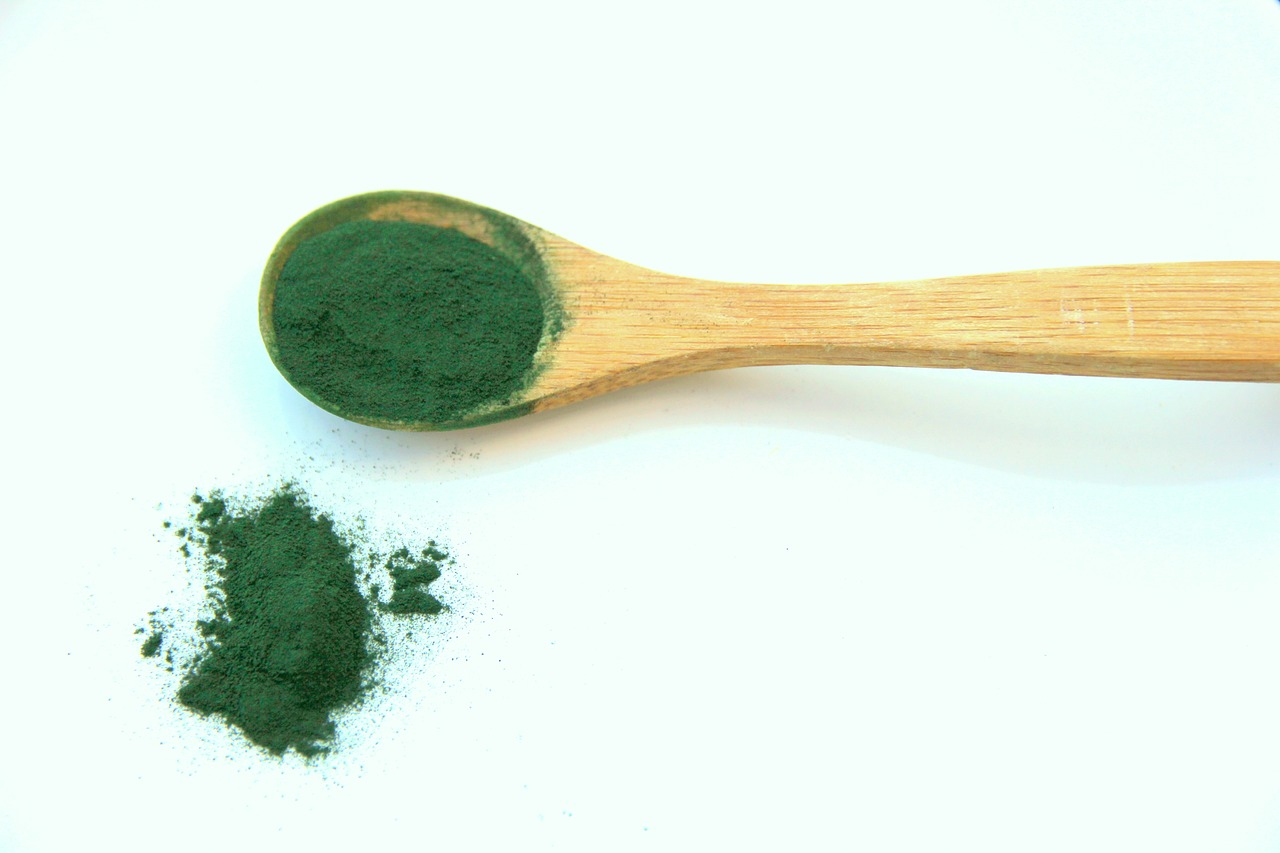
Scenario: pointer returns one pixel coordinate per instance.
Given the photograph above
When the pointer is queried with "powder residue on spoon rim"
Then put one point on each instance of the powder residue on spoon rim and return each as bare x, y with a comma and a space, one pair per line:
405, 322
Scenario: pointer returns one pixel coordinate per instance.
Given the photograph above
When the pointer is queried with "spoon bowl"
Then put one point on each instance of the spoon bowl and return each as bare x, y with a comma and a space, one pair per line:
517, 241
608, 324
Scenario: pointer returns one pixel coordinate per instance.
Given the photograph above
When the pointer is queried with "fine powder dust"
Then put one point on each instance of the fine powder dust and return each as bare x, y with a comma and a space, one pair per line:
294, 623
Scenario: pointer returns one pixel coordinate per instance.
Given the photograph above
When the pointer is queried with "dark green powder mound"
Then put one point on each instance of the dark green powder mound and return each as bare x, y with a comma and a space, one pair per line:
289, 645
293, 637
397, 321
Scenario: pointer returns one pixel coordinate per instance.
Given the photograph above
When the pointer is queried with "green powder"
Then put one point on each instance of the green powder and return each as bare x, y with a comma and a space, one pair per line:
292, 639
155, 632
411, 578
403, 322
151, 645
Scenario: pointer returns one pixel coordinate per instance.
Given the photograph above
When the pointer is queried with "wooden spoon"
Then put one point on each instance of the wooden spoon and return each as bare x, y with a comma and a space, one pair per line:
620, 324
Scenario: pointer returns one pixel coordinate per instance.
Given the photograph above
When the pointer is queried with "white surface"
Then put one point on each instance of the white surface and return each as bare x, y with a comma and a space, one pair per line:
801, 608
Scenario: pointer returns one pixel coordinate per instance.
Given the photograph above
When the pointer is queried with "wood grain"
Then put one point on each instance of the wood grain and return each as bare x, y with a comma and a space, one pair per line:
1211, 321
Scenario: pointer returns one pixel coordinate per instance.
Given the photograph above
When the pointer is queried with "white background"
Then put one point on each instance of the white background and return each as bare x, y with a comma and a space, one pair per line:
784, 608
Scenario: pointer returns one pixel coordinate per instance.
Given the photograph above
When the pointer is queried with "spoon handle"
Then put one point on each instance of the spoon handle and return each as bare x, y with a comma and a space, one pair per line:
1210, 320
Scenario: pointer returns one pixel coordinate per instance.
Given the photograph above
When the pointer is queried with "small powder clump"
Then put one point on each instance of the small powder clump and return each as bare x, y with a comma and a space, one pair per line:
405, 322
293, 637
410, 578
151, 645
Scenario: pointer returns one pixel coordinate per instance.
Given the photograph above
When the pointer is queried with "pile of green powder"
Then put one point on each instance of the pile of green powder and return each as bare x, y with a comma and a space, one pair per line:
293, 638
403, 322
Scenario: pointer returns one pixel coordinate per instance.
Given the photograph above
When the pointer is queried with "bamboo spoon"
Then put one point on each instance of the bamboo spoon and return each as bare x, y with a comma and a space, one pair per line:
621, 324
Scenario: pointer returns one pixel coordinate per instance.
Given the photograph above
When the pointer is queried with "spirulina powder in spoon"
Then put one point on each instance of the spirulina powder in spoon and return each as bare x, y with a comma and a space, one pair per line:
402, 322
293, 637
